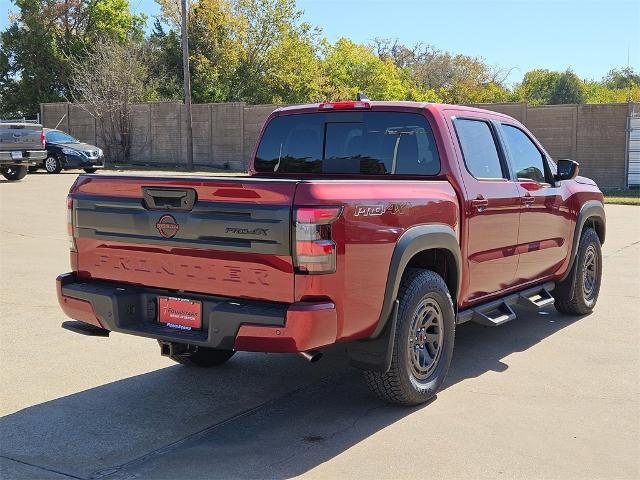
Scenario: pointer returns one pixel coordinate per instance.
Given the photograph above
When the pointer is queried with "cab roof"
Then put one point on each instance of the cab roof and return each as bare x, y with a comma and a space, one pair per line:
385, 105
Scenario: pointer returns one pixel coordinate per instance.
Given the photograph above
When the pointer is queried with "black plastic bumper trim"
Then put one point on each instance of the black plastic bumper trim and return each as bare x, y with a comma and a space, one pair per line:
133, 309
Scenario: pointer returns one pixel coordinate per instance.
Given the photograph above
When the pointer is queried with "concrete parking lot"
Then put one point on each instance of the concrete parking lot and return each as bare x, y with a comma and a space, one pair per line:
545, 396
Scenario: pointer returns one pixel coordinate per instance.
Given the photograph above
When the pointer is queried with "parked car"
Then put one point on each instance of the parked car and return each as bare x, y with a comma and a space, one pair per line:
65, 152
380, 224
21, 146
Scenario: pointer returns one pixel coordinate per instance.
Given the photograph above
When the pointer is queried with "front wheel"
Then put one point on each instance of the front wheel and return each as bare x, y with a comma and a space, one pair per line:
52, 165
578, 293
423, 343
15, 173
204, 357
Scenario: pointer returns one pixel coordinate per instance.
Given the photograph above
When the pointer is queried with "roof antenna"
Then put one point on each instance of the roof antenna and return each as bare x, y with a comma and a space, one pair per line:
361, 97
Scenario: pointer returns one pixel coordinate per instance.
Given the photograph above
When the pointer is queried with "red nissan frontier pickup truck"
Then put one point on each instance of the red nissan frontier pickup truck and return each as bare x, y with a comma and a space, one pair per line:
379, 224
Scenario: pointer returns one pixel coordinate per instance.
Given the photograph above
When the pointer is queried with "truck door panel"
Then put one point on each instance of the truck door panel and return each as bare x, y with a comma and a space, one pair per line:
544, 224
492, 209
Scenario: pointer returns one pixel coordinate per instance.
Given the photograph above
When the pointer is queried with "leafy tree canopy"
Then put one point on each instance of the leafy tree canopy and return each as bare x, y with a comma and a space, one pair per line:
261, 51
44, 35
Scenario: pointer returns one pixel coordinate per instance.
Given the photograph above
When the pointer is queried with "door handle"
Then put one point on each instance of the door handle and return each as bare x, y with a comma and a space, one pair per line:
480, 203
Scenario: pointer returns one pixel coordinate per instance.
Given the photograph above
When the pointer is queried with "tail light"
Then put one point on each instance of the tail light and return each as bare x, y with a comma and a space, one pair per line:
72, 240
315, 251
42, 138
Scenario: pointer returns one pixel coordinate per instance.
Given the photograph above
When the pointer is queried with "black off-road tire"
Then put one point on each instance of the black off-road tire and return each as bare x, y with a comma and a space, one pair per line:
15, 173
90, 170
52, 164
575, 295
204, 357
400, 384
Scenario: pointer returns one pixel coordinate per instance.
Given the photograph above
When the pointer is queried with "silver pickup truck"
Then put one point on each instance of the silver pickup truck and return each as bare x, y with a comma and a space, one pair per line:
21, 146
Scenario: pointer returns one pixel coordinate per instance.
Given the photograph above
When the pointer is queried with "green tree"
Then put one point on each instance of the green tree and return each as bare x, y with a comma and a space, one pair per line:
621, 78
599, 92
44, 36
256, 51
439, 75
349, 68
545, 87
568, 89
165, 61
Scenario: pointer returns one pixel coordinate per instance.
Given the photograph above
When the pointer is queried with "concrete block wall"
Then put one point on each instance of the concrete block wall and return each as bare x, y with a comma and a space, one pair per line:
141, 133
555, 127
601, 138
224, 134
227, 136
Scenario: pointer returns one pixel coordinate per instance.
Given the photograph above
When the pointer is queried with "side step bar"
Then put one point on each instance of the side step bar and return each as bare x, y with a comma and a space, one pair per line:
499, 311
84, 329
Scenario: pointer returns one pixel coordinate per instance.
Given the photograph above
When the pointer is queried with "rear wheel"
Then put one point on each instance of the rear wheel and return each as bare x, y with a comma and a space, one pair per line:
33, 168
52, 164
15, 173
91, 170
423, 344
578, 293
204, 357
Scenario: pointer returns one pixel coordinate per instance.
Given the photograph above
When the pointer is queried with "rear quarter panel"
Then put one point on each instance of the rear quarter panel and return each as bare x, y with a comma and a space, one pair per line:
376, 213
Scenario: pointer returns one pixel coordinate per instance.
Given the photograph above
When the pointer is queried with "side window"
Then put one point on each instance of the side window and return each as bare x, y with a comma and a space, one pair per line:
478, 148
527, 160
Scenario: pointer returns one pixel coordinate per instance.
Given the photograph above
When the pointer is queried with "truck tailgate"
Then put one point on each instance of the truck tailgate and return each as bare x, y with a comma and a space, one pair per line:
220, 236
18, 136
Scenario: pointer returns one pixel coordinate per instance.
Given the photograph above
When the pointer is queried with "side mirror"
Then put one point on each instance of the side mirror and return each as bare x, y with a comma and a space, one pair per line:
567, 169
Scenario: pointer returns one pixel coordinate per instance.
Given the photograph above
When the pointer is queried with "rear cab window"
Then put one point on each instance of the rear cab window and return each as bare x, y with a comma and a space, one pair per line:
367, 143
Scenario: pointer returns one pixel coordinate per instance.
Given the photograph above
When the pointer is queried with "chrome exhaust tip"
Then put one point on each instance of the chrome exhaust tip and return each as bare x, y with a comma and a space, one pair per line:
311, 356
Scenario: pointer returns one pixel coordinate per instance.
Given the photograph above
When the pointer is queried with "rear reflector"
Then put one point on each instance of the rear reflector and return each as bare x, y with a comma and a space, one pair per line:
361, 104
315, 251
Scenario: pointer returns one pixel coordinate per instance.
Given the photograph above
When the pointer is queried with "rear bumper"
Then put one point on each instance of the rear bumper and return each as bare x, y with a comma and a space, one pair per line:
228, 323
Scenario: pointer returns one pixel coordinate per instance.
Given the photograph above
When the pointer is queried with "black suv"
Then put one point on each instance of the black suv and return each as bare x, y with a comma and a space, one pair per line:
65, 152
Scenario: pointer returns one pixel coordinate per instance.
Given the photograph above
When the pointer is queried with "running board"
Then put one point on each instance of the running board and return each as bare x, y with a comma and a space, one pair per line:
499, 311
537, 299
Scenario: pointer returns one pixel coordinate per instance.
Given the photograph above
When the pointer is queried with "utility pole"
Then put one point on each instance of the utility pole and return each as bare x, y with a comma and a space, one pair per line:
187, 85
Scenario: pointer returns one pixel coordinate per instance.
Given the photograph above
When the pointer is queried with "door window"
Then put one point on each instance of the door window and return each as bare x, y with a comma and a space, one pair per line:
527, 160
479, 148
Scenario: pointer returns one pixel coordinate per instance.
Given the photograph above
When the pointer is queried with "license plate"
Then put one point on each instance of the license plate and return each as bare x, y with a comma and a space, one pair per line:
180, 313
15, 155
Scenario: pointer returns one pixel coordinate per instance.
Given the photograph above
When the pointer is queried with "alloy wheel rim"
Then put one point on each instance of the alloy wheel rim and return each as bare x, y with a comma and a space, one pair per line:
50, 164
425, 339
590, 273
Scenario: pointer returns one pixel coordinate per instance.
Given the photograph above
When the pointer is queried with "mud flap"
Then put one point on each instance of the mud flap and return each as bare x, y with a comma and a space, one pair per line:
375, 354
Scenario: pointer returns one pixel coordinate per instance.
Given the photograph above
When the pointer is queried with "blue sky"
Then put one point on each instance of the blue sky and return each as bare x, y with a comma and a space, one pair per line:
589, 36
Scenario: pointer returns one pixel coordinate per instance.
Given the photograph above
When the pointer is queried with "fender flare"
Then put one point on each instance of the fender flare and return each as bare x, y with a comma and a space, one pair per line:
415, 240
590, 209
374, 354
